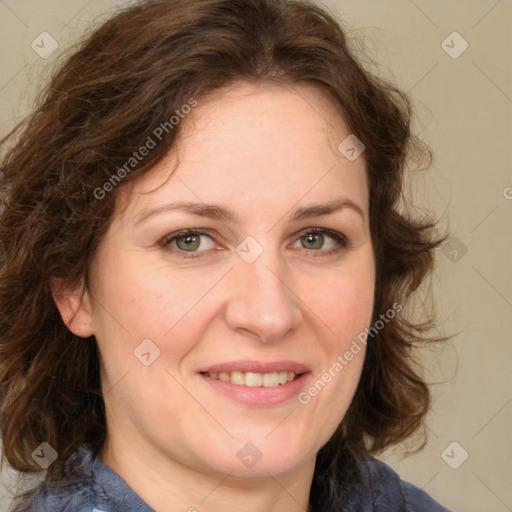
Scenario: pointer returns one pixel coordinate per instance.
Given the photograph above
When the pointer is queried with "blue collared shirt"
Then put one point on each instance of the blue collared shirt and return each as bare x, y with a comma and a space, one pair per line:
100, 489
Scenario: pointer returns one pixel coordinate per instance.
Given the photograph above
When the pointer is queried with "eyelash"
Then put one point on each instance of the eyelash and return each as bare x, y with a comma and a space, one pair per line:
340, 238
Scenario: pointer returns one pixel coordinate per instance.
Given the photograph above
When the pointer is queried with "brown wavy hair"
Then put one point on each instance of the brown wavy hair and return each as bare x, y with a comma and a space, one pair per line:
122, 81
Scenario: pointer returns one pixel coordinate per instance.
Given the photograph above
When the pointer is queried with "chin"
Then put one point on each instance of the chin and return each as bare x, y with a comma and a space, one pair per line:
245, 459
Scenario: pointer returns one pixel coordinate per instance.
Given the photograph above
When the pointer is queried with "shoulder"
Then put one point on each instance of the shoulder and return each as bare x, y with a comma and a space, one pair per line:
91, 487
366, 484
78, 497
390, 491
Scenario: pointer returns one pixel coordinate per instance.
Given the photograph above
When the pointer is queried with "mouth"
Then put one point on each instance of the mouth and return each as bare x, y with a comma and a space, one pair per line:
257, 383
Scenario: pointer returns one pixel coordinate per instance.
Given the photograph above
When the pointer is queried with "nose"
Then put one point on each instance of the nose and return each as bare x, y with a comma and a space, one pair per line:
263, 303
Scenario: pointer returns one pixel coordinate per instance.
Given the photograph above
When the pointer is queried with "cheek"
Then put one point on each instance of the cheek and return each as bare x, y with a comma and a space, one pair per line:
143, 297
344, 308
344, 302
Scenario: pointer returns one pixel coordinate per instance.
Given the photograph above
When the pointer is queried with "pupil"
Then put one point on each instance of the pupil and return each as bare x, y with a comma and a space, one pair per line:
312, 237
190, 241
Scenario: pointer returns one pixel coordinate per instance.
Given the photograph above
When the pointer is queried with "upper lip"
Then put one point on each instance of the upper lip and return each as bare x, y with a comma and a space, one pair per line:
256, 367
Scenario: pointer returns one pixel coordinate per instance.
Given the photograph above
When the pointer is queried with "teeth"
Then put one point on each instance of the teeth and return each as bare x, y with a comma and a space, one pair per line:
252, 379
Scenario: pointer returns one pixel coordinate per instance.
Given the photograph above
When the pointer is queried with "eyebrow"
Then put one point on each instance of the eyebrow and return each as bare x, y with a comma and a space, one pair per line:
222, 214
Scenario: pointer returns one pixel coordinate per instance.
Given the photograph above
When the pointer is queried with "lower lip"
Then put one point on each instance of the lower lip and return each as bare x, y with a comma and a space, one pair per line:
259, 395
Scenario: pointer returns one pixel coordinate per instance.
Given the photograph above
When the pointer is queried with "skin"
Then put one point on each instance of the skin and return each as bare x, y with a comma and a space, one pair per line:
262, 151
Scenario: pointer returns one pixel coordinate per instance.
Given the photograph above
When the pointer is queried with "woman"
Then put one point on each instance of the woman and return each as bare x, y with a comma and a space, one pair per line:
205, 270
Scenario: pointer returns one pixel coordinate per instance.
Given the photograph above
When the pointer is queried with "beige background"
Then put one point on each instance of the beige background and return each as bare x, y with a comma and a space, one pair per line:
464, 107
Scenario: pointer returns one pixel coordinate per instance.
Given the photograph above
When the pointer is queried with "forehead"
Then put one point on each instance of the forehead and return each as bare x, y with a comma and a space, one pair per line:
265, 120
257, 143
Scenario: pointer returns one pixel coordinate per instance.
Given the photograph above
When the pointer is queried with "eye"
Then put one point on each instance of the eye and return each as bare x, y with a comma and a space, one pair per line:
315, 239
187, 241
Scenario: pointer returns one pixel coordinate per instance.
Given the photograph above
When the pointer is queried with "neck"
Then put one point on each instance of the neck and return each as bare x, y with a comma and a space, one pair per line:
167, 485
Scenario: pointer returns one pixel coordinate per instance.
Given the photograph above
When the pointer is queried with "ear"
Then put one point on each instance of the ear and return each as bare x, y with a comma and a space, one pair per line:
74, 305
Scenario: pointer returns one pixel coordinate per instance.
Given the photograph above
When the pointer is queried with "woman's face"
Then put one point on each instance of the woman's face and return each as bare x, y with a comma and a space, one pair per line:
255, 291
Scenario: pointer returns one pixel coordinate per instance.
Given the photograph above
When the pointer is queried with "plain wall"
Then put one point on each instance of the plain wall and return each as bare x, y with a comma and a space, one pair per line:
464, 108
